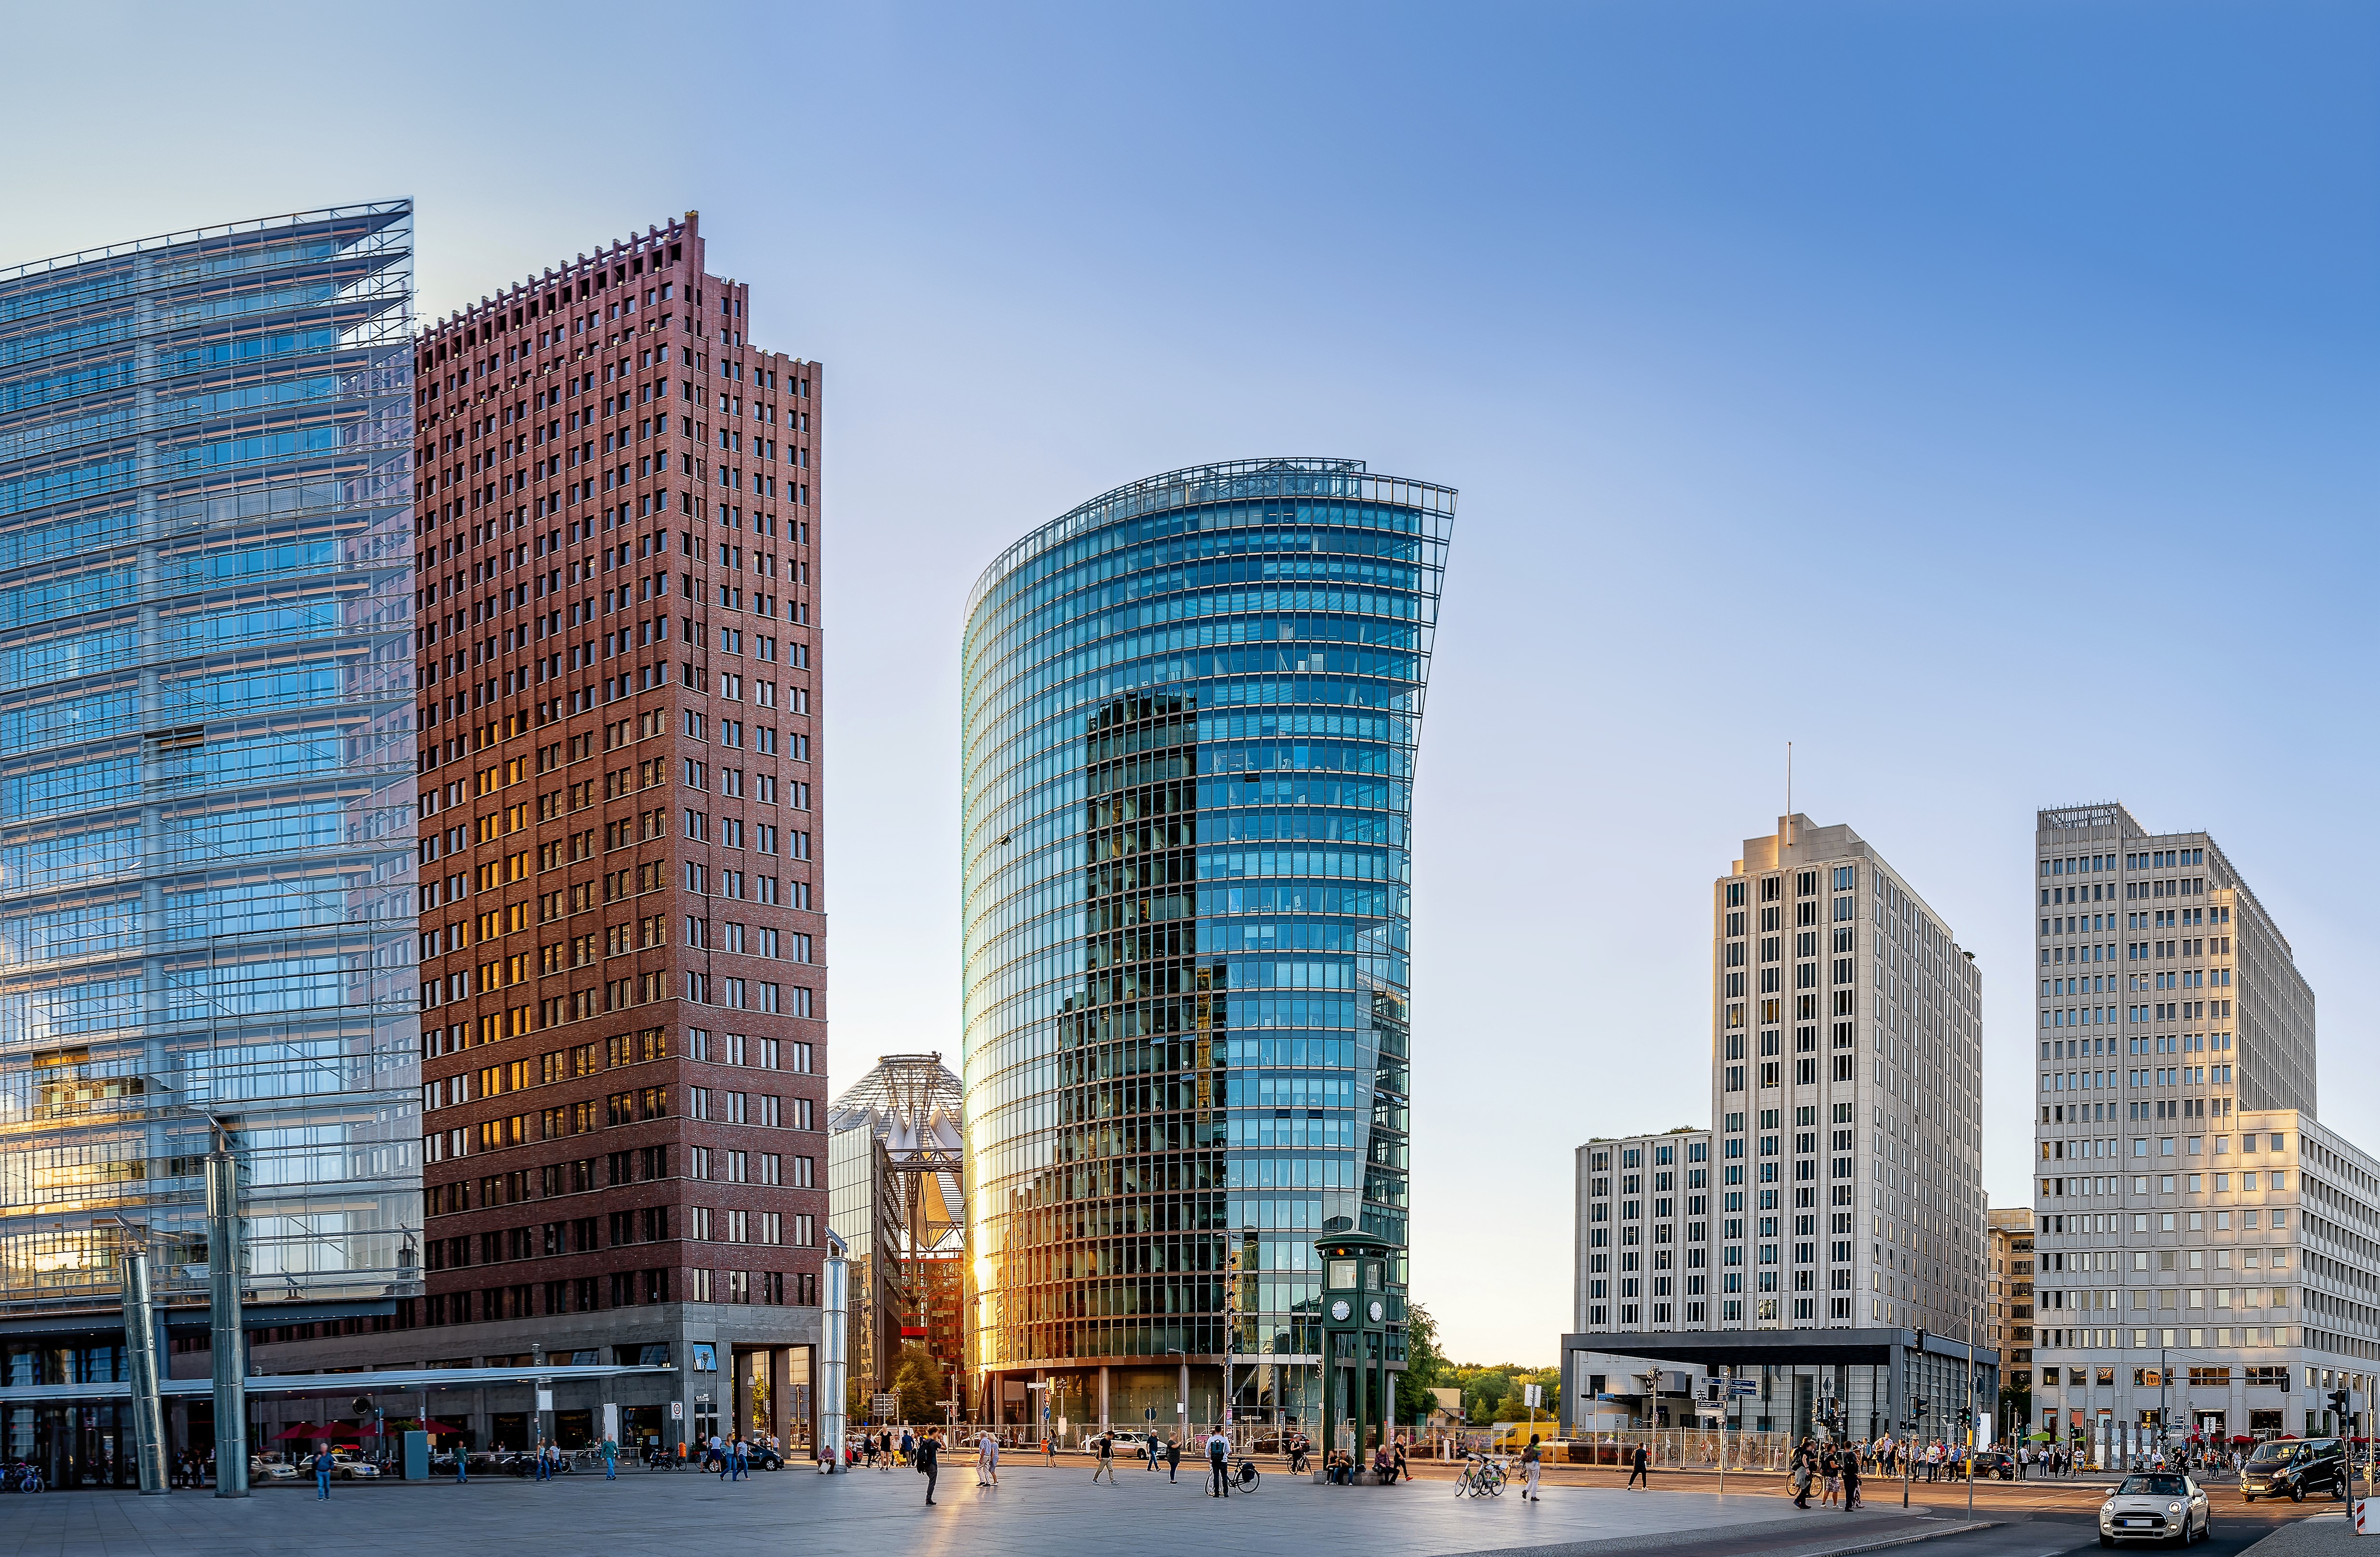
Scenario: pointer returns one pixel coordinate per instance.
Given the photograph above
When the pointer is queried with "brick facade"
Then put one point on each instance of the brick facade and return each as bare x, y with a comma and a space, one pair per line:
620, 821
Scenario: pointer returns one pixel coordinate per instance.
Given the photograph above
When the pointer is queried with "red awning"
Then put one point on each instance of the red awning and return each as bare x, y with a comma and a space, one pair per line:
303, 1430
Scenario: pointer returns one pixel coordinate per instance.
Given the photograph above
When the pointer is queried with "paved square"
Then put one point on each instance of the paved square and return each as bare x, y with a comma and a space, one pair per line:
1034, 1511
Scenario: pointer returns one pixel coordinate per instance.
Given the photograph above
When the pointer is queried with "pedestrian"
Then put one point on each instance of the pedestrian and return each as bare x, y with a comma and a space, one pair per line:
1831, 1463
1532, 1461
462, 1458
1640, 1464
1172, 1456
1801, 1474
928, 1461
1219, 1463
1850, 1481
1297, 1452
1049, 1451
1103, 1449
323, 1474
1402, 1469
740, 1451
610, 1459
987, 1460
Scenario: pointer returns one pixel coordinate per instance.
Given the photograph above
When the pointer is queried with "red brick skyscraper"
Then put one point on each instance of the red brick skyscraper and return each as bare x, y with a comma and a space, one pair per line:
622, 941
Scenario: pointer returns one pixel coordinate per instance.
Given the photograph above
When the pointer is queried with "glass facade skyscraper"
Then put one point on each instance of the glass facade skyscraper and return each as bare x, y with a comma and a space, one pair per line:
1191, 713
206, 775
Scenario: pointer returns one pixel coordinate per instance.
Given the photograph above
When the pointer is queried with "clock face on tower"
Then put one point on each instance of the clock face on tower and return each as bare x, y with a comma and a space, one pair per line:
1376, 1311
1338, 1310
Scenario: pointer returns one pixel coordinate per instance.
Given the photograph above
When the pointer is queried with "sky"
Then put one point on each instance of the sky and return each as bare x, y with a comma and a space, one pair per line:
1978, 395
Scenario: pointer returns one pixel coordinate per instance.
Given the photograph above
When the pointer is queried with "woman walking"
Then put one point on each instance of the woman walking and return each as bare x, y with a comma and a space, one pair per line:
987, 1460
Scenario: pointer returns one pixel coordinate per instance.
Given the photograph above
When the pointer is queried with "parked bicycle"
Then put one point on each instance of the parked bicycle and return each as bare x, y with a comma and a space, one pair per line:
1481, 1478
1244, 1474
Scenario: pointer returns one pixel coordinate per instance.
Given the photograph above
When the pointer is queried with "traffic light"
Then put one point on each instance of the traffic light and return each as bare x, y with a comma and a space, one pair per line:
2339, 1404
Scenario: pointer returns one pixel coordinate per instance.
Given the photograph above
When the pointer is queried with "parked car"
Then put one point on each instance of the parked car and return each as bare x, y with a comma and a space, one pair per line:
2158, 1505
1988, 1463
271, 1465
2295, 1469
347, 1466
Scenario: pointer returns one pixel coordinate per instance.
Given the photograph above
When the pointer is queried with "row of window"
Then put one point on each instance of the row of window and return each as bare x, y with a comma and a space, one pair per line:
626, 1289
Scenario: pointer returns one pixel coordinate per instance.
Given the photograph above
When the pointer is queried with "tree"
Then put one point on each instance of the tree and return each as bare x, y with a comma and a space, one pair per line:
918, 1379
1424, 1366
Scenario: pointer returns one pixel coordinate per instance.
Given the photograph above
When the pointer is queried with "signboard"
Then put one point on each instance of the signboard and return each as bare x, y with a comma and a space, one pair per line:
678, 1411
1536, 1394
888, 1405
611, 1421
545, 1399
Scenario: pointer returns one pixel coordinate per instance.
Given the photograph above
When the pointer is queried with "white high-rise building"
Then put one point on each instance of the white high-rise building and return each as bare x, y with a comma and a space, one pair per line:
1846, 1093
1844, 1189
2208, 1252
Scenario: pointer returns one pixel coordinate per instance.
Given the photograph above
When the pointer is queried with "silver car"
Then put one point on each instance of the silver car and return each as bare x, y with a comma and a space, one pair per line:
2156, 1505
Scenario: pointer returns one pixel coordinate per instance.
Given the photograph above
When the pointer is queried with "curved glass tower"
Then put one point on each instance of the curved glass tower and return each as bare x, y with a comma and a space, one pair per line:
206, 776
1190, 720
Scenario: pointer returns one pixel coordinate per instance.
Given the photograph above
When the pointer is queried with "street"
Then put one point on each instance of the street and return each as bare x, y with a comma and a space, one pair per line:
1037, 1507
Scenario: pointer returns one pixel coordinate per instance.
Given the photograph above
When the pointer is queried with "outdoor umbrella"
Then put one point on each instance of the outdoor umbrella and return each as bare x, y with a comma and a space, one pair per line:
2039, 1438
303, 1430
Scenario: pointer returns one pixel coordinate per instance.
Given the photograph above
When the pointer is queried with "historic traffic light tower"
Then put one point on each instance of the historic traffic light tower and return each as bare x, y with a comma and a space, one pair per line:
1362, 1341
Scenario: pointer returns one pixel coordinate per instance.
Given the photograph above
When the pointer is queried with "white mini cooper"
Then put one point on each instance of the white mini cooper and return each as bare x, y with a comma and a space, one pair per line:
2156, 1505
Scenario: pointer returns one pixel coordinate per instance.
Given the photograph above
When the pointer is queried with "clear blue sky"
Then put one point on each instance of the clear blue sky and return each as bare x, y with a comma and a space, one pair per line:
1981, 395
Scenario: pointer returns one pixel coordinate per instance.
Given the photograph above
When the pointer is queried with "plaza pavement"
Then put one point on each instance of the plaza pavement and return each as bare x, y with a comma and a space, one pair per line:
1036, 1510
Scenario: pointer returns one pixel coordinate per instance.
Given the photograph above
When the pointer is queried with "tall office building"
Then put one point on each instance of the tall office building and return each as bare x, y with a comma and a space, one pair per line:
1846, 1187
622, 936
1191, 713
2203, 1241
206, 776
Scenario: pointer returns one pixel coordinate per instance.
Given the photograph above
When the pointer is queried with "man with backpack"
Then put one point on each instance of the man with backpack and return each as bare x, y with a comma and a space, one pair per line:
928, 1458
1218, 1464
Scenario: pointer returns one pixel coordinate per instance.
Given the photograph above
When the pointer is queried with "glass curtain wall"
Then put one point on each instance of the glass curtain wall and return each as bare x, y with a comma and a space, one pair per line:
206, 762
1191, 715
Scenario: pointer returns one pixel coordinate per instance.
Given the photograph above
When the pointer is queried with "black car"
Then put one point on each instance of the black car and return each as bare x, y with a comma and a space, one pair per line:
1988, 1463
2296, 1469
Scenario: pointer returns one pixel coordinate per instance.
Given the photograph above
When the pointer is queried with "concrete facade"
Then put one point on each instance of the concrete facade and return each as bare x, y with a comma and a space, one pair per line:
2209, 1252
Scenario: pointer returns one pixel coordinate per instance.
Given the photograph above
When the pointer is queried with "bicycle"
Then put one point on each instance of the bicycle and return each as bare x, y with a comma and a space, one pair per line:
1481, 1478
1245, 1477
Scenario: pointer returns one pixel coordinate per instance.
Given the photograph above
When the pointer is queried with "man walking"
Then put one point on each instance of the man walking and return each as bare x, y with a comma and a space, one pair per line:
610, 1459
322, 1475
1640, 1464
1218, 1464
1103, 1449
1173, 1457
928, 1461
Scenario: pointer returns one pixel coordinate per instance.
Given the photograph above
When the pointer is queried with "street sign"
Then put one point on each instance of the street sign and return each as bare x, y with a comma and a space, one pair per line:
1537, 1396
888, 1405
1149, 1413
1742, 1387
678, 1411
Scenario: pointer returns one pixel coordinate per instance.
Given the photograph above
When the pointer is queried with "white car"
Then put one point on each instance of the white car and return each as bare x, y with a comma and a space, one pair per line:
270, 1468
2156, 1505
348, 1469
